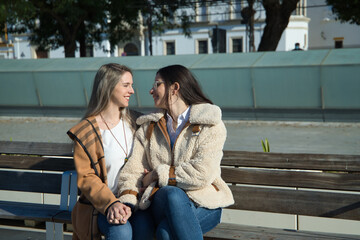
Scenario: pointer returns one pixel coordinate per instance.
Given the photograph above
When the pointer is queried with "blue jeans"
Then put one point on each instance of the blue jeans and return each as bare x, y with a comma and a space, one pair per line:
177, 217
139, 227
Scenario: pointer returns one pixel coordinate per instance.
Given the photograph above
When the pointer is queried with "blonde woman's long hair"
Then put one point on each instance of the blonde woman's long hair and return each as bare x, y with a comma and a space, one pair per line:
105, 81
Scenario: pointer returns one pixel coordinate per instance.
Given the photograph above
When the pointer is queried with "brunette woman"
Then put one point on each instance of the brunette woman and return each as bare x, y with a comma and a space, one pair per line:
178, 151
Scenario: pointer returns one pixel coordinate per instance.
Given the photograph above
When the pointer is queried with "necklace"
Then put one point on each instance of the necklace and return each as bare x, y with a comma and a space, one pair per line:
126, 152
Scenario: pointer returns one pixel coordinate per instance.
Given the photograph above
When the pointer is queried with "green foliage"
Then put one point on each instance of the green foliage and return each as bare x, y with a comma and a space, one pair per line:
52, 24
346, 10
161, 14
266, 145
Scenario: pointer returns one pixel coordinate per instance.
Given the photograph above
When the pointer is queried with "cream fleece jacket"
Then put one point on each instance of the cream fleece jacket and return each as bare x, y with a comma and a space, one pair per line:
196, 157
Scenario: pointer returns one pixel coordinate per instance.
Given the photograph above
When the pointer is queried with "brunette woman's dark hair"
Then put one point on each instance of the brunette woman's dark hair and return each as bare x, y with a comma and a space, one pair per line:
190, 90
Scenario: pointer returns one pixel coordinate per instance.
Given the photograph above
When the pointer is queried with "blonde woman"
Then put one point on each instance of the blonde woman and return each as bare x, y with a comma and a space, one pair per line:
103, 142
178, 151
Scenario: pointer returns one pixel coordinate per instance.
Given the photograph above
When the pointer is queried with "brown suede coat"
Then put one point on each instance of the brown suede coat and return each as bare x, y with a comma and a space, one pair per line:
92, 177
90, 164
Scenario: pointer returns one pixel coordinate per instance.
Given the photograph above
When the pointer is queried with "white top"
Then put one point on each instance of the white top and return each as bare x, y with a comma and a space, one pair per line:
181, 121
114, 155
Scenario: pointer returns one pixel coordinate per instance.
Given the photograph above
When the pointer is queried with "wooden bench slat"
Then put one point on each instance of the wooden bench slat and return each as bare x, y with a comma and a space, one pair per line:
36, 148
329, 162
30, 182
235, 231
301, 202
287, 178
36, 163
27, 211
62, 217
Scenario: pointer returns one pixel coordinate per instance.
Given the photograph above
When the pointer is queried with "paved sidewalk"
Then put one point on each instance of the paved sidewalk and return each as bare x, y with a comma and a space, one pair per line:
301, 137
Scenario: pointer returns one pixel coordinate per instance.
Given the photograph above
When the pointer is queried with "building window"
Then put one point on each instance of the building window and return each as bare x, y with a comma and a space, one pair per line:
339, 42
218, 40
237, 45
130, 49
170, 48
202, 46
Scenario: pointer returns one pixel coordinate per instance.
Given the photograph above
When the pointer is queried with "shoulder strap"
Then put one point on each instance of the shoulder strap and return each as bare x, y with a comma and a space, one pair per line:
86, 151
150, 130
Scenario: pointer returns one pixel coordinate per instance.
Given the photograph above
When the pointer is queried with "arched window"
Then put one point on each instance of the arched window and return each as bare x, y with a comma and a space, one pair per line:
131, 50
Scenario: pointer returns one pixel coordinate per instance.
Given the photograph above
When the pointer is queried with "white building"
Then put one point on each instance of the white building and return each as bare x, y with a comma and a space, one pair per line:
312, 25
326, 32
227, 16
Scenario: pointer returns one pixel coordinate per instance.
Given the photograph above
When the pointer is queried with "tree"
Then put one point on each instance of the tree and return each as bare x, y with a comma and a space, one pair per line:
167, 14
278, 13
52, 24
346, 11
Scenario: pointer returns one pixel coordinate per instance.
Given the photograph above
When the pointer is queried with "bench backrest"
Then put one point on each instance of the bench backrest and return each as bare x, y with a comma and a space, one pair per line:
323, 185
20, 163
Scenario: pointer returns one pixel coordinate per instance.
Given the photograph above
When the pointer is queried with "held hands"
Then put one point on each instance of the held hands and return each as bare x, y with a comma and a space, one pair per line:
118, 213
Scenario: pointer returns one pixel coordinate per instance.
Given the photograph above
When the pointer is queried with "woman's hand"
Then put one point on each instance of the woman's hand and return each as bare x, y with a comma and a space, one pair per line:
118, 213
149, 177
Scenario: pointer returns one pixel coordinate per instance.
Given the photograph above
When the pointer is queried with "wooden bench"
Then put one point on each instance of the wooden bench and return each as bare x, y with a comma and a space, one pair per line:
299, 184
38, 168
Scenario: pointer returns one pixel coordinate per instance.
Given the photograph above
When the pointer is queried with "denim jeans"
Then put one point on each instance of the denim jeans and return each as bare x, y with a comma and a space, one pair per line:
177, 217
139, 227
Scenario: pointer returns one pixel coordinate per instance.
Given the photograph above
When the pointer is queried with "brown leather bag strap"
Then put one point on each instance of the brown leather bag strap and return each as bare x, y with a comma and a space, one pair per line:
150, 130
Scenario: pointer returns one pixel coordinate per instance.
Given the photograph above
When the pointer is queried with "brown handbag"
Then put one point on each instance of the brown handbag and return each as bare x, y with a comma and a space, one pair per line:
84, 219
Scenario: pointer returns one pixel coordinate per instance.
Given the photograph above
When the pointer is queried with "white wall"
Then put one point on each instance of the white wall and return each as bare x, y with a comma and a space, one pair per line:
296, 32
324, 28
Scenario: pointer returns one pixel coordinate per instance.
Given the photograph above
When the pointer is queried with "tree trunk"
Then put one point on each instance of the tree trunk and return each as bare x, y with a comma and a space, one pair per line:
252, 47
82, 40
277, 19
70, 48
82, 47
149, 25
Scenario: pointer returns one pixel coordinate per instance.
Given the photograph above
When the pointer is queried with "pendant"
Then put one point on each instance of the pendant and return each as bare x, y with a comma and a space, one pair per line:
126, 159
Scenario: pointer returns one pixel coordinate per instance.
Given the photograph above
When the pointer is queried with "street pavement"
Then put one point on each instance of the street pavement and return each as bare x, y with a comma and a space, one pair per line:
283, 136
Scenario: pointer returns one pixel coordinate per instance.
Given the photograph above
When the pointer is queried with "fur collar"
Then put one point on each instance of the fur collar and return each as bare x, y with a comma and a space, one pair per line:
204, 113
